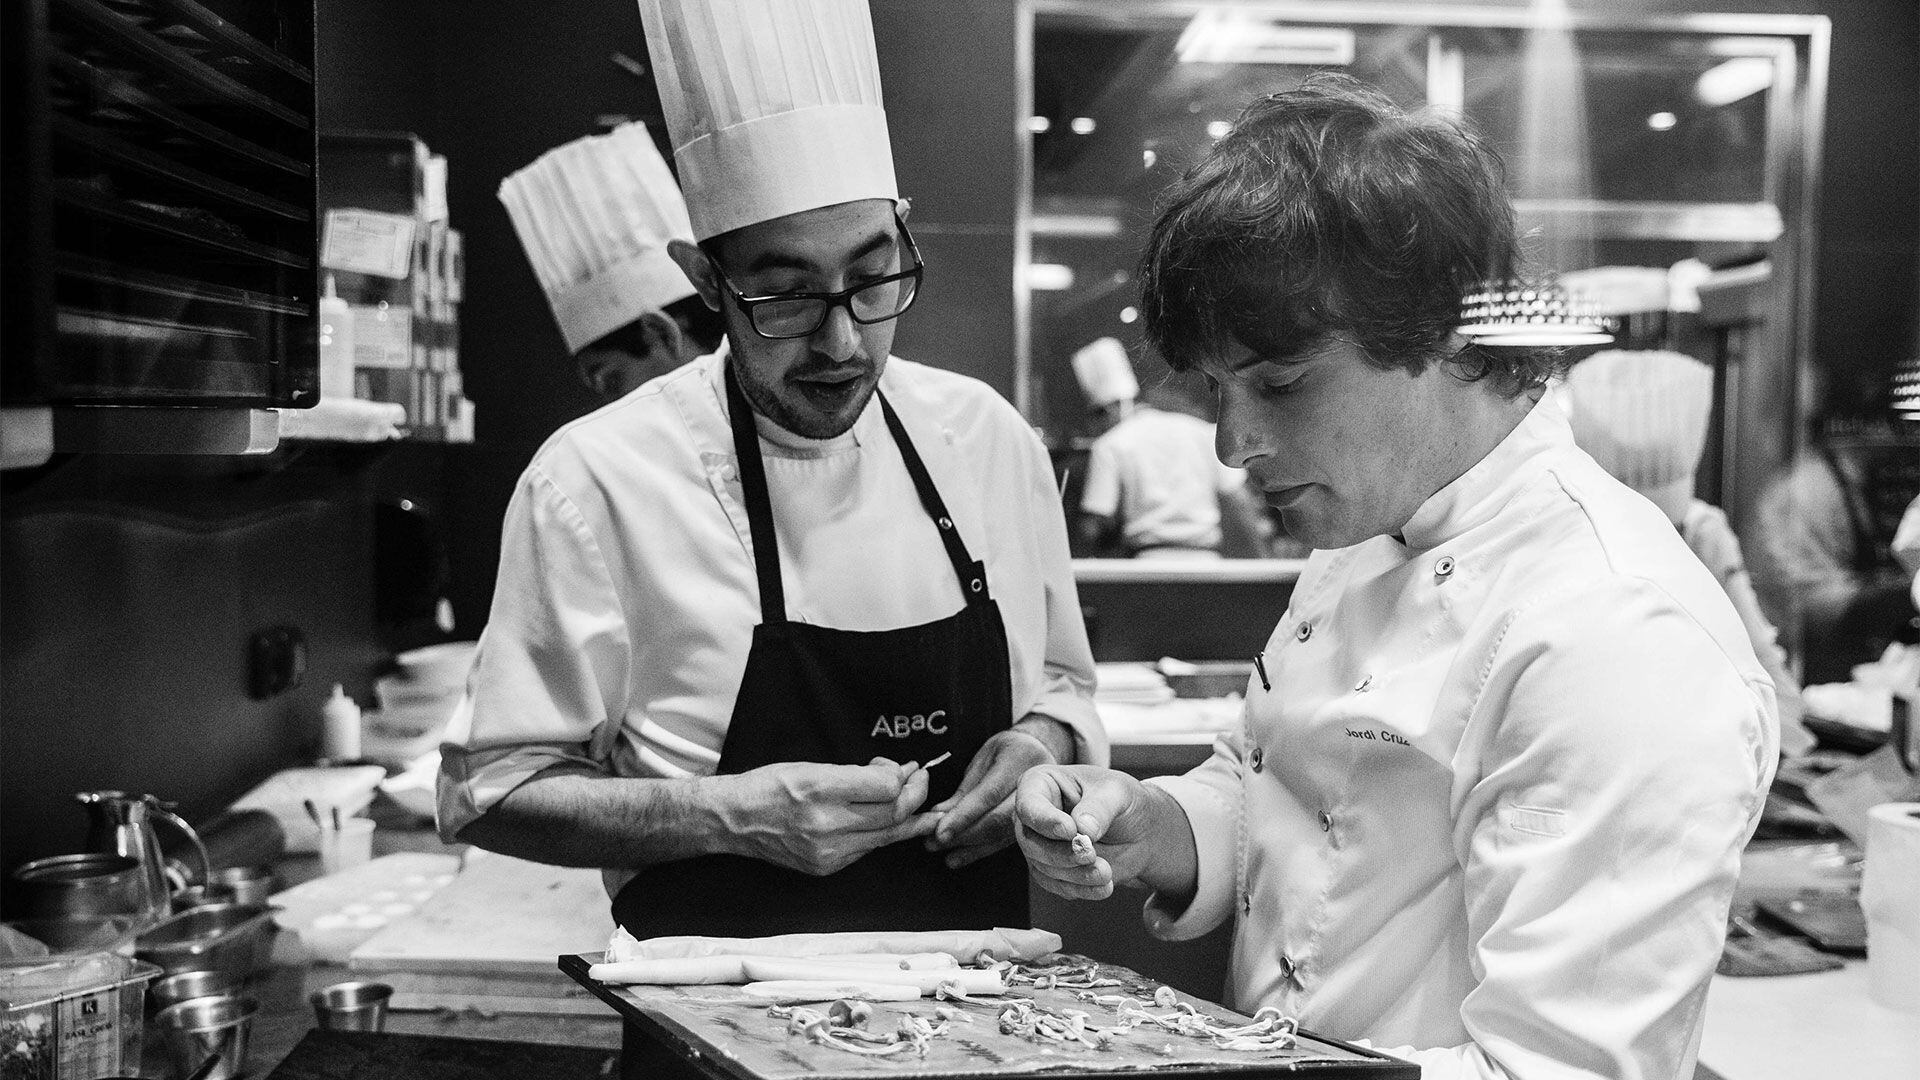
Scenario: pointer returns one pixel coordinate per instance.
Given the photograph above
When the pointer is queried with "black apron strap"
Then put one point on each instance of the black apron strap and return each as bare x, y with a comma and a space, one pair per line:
753, 484
972, 575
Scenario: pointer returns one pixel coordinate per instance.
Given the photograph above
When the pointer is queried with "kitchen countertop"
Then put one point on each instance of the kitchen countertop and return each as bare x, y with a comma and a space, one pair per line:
1758, 1028
285, 1017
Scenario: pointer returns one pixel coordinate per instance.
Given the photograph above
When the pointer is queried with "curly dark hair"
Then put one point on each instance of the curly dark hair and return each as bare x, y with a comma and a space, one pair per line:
1328, 209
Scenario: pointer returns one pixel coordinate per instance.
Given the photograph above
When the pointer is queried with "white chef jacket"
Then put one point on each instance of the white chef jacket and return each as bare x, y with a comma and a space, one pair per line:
1712, 540
1490, 814
1156, 472
627, 598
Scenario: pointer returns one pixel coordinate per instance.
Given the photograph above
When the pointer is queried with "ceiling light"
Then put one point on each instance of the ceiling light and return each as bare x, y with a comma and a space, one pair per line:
1513, 313
1082, 125
1129, 314
1729, 81
1049, 277
1216, 36
1039, 125
1662, 121
1217, 129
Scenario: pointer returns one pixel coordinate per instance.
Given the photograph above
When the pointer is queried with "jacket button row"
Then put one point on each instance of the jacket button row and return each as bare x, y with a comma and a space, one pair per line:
1287, 969
1246, 903
1303, 631
1326, 821
1257, 758
1443, 567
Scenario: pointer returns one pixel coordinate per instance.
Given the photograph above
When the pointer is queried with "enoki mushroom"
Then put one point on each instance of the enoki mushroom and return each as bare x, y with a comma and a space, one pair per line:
843, 1028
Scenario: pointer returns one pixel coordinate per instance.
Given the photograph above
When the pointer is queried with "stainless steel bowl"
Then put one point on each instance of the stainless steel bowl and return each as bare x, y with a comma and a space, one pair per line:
90, 883
232, 938
188, 985
198, 1028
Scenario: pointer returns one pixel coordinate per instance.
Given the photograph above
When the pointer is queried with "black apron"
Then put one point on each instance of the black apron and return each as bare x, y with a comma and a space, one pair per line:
814, 693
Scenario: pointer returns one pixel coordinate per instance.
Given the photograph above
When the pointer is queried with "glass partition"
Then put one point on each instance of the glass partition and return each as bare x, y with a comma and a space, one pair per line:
1635, 141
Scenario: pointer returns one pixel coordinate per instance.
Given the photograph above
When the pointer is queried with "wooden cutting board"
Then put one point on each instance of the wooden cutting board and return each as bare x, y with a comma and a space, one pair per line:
501, 916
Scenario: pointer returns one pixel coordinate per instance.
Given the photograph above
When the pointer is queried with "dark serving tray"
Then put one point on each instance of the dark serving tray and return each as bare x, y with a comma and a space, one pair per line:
730, 1038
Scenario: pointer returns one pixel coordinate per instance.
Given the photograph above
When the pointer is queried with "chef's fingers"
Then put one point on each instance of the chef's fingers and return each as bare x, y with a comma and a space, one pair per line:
877, 782
1079, 890
912, 793
1053, 865
992, 778
995, 828
1101, 802
1043, 799
911, 829
967, 854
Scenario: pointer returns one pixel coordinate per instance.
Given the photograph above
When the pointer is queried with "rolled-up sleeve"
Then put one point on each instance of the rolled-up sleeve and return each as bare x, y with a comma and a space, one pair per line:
548, 685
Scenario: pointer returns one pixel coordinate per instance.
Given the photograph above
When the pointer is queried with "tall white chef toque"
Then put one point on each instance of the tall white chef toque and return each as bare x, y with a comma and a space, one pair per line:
1104, 372
594, 217
1643, 416
773, 108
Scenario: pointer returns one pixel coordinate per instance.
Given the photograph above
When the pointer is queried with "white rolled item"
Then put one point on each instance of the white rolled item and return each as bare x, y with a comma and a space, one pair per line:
1890, 897
801, 991
966, 980
1004, 943
672, 971
903, 961
916, 969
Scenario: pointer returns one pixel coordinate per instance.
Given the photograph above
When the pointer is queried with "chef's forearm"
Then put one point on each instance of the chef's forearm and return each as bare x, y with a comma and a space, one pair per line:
570, 818
1057, 737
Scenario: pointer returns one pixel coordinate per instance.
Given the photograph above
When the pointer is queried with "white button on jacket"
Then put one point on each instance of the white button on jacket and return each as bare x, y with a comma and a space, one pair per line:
1542, 792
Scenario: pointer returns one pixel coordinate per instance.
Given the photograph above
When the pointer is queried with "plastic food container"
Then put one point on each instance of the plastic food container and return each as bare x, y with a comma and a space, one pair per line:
72, 1016
233, 938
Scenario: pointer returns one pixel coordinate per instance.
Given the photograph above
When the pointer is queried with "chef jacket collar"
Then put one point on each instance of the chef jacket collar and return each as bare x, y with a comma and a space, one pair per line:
788, 443
1479, 493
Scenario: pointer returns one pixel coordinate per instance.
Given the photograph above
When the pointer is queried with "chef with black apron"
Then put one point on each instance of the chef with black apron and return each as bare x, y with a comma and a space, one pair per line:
743, 611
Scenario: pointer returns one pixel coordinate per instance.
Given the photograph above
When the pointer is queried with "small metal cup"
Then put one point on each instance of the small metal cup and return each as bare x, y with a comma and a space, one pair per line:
201, 895
250, 884
351, 1006
198, 1028
188, 985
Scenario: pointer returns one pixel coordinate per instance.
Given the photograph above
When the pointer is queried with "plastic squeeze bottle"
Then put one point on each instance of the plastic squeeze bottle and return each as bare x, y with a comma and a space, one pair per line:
340, 740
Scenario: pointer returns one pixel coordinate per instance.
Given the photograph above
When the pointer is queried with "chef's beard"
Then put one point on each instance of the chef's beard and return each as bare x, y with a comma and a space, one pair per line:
789, 406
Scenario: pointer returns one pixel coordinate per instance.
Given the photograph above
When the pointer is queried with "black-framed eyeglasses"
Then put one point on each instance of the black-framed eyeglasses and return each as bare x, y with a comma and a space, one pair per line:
799, 314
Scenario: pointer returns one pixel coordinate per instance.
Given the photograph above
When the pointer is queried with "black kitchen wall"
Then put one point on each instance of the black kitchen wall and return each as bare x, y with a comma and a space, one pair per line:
130, 587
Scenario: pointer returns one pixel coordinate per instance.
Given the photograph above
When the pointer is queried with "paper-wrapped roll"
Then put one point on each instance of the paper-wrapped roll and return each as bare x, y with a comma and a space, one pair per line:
1003, 943
1890, 896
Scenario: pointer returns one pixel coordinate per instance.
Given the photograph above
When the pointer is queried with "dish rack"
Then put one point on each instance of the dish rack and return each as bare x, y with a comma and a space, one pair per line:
161, 210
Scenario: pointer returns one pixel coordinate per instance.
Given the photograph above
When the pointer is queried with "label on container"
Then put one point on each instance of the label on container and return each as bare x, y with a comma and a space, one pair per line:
368, 242
87, 1031
382, 336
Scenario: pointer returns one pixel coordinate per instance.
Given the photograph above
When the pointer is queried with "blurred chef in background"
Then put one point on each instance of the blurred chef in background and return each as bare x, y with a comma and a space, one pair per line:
594, 217
1153, 488
1642, 414
745, 609
1500, 757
